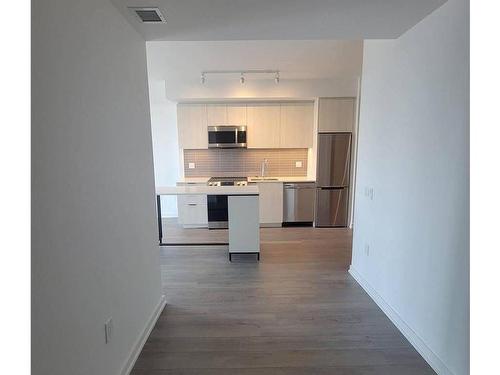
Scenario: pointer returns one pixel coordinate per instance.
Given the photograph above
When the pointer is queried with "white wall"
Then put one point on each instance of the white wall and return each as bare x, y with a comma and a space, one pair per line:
217, 88
94, 234
413, 151
165, 143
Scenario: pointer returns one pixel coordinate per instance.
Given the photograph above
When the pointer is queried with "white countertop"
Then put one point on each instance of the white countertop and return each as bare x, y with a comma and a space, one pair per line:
281, 179
193, 180
203, 189
204, 180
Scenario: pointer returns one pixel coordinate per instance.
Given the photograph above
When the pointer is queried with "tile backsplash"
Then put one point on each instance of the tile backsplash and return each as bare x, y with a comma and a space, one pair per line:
245, 162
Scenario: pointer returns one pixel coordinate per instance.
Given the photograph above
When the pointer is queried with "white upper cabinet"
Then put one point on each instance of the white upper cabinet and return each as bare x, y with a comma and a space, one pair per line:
336, 114
269, 125
236, 114
192, 126
297, 121
216, 114
263, 125
230, 114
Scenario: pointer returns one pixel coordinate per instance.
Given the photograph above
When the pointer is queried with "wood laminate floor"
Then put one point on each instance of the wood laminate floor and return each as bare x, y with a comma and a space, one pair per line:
175, 233
297, 311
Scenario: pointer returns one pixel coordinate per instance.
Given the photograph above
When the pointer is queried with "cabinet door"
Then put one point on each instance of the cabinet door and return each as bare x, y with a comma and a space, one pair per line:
244, 234
216, 114
192, 126
236, 114
263, 126
296, 125
192, 211
271, 203
336, 114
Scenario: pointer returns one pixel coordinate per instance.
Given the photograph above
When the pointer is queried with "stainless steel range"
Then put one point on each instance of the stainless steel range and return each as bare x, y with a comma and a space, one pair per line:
217, 204
227, 181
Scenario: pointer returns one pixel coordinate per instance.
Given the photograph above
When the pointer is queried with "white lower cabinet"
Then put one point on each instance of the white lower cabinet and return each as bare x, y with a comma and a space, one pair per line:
192, 210
271, 204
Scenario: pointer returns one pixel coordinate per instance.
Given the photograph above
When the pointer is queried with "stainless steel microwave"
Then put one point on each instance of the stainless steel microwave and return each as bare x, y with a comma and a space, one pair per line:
227, 136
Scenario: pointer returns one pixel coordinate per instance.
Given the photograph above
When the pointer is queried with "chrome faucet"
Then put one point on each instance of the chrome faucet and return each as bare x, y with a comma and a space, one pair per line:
263, 167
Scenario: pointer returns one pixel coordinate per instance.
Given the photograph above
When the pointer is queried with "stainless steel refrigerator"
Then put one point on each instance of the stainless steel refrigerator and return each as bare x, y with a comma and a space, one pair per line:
333, 179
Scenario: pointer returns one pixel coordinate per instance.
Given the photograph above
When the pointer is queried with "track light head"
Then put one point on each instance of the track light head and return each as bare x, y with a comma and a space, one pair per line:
242, 79
202, 79
277, 78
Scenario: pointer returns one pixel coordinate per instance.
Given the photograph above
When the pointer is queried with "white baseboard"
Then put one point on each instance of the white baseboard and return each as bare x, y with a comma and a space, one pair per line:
432, 359
139, 344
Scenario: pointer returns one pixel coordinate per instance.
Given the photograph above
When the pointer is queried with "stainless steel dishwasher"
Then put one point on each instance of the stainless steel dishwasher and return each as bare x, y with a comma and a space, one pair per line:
298, 203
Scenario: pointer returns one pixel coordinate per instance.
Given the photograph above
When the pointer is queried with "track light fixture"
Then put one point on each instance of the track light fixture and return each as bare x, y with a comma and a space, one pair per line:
242, 74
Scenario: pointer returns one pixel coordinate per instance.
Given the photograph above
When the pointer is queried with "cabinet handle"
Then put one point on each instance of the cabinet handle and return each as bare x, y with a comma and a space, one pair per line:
192, 204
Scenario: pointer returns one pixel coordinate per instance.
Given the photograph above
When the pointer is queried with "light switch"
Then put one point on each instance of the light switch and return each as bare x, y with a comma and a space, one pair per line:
298, 164
191, 165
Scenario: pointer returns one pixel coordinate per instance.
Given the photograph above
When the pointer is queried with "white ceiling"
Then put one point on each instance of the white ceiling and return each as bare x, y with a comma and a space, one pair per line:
305, 66
280, 19
314, 59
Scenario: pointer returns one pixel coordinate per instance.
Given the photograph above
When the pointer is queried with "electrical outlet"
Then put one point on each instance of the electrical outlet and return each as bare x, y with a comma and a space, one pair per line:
367, 249
298, 164
191, 165
108, 330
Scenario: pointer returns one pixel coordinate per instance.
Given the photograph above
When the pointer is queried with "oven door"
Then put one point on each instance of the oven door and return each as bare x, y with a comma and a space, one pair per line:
217, 211
227, 136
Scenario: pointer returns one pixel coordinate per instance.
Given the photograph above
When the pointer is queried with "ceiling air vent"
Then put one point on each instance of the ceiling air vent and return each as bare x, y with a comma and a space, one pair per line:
148, 15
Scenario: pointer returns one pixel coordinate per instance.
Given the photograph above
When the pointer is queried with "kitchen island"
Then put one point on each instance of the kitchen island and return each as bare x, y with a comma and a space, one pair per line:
243, 215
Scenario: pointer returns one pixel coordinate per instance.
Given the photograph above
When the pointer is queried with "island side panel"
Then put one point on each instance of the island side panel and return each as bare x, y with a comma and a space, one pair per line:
243, 215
